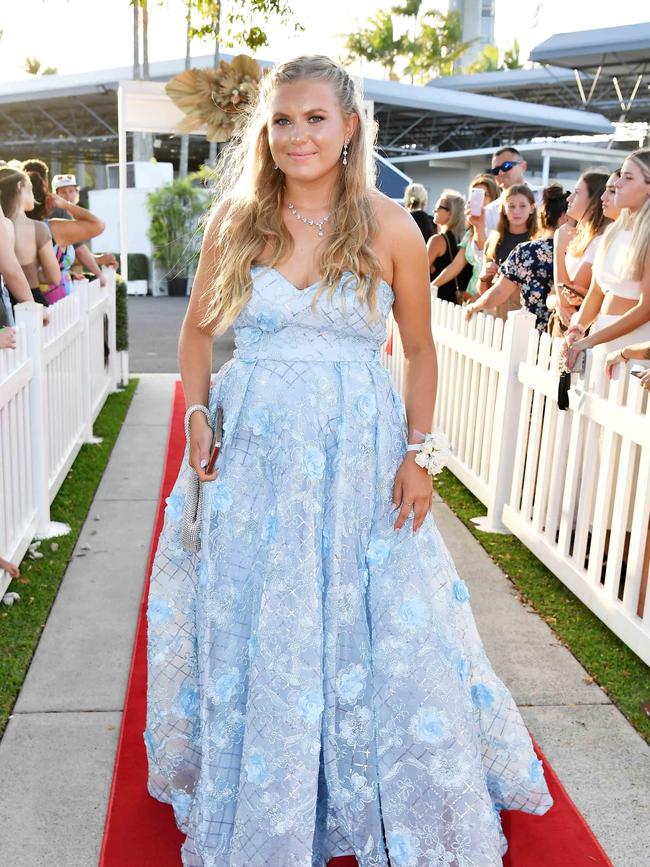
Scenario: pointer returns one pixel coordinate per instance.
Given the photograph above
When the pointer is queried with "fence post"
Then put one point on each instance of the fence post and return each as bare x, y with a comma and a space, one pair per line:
29, 315
109, 273
506, 419
81, 287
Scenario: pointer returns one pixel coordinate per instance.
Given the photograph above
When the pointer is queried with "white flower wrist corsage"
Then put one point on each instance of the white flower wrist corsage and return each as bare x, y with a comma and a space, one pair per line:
433, 453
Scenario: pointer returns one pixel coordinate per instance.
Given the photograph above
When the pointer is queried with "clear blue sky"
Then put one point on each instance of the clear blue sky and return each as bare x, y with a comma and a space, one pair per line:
80, 35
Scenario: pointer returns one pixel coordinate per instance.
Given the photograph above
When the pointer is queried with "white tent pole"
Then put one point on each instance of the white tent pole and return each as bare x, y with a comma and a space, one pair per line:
121, 126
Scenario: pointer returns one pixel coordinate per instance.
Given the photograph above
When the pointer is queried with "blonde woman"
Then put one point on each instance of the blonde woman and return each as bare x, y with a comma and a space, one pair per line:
312, 663
471, 247
617, 306
442, 248
415, 202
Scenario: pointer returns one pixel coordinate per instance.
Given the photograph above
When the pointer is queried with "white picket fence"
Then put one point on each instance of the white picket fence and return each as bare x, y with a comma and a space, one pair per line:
52, 387
572, 485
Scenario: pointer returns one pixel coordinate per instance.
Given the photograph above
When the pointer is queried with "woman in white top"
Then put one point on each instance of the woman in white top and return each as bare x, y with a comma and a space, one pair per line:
574, 249
617, 306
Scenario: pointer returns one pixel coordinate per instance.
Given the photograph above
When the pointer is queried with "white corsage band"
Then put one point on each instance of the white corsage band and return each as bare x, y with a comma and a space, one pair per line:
433, 453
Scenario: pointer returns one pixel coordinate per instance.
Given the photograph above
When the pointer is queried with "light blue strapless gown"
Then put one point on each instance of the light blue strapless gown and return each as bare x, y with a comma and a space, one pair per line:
317, 686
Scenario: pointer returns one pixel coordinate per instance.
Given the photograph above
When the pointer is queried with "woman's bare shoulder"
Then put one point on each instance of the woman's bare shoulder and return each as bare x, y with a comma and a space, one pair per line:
395, 225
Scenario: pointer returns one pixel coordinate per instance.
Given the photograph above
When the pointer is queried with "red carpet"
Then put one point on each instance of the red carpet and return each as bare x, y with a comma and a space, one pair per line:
140, 832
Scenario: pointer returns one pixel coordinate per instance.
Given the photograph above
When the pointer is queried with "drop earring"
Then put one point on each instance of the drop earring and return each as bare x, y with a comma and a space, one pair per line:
345, 152
275, 166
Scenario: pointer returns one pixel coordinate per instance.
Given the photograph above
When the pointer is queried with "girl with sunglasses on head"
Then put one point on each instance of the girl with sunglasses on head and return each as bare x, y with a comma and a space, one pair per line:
470, 251
575, 247
449, 214
517, 223
527, 273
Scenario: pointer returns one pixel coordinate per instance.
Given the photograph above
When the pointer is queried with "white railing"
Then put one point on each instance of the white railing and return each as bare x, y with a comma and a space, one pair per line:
52, 388
572, 485
17, 506
580, 491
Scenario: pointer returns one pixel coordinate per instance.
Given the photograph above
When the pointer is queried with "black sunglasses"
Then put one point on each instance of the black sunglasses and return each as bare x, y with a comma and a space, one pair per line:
504, 167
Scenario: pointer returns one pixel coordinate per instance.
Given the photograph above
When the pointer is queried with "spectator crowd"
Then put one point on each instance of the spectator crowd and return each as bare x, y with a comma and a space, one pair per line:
43, 237
578, 260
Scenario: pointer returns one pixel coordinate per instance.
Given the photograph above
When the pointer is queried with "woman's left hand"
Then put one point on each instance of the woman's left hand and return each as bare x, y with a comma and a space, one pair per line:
573, 351
412, 490
611, 361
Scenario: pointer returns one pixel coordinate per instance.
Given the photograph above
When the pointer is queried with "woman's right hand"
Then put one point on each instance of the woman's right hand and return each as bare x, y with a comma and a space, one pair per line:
200, 445
7, 338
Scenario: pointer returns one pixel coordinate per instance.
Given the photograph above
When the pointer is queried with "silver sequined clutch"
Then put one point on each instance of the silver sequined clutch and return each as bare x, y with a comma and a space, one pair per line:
191, 521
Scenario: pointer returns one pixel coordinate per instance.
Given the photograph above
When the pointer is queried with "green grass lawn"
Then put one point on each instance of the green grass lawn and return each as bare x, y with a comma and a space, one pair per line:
623, 676
22, 623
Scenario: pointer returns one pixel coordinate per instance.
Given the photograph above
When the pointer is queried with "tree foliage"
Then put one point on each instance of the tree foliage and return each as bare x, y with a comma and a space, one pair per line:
33, 66
240, 22
430, 46
489, 59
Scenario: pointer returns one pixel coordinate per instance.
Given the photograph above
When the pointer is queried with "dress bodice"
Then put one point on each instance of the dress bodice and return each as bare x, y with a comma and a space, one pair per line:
278, 321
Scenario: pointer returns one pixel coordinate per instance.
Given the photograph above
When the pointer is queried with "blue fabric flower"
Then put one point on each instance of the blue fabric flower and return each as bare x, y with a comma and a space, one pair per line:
268, 320
377, 552
257, 769
460, 591
482, 695
403, 848
260, 421
174, 505
159, 612
248, 336
227, 684
182, 803
366, 407
314, 462
535, 770
413, 612
310, 705
269, 527
430, 728
188, 700
351, 682
221, 496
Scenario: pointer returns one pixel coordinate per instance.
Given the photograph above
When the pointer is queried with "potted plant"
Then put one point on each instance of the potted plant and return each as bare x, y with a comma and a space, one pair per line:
174, 232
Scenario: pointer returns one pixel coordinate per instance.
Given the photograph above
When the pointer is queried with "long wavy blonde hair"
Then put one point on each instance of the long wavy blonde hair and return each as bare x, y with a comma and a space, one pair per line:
638, 252
249, 197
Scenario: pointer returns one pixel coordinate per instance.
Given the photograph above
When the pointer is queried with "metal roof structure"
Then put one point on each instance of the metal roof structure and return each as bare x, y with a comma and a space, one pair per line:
74, 117
605, 70
613, 47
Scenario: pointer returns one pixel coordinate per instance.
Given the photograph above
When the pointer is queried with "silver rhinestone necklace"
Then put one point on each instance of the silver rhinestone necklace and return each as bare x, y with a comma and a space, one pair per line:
309, 222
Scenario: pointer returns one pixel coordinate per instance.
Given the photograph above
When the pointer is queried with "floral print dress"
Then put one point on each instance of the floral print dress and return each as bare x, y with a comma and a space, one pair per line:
530, 265
316, 683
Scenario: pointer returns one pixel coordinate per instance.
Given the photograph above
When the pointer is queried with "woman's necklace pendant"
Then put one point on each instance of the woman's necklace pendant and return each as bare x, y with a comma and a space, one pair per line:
319, 224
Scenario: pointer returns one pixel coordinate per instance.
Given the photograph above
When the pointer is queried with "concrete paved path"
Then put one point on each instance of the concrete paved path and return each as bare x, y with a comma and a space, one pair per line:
56, 759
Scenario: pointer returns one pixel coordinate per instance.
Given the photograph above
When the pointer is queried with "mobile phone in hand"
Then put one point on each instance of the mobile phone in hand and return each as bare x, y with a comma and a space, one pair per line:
476, 199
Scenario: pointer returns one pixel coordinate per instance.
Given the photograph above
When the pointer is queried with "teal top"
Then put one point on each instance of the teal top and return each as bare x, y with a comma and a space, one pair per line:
474, 257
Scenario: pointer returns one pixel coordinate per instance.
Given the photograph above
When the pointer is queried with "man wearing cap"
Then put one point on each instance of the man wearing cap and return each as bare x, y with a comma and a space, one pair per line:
66, 186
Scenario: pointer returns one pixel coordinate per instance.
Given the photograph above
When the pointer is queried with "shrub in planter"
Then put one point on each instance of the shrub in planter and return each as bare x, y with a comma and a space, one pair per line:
121, 315
174, 232
138, 266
